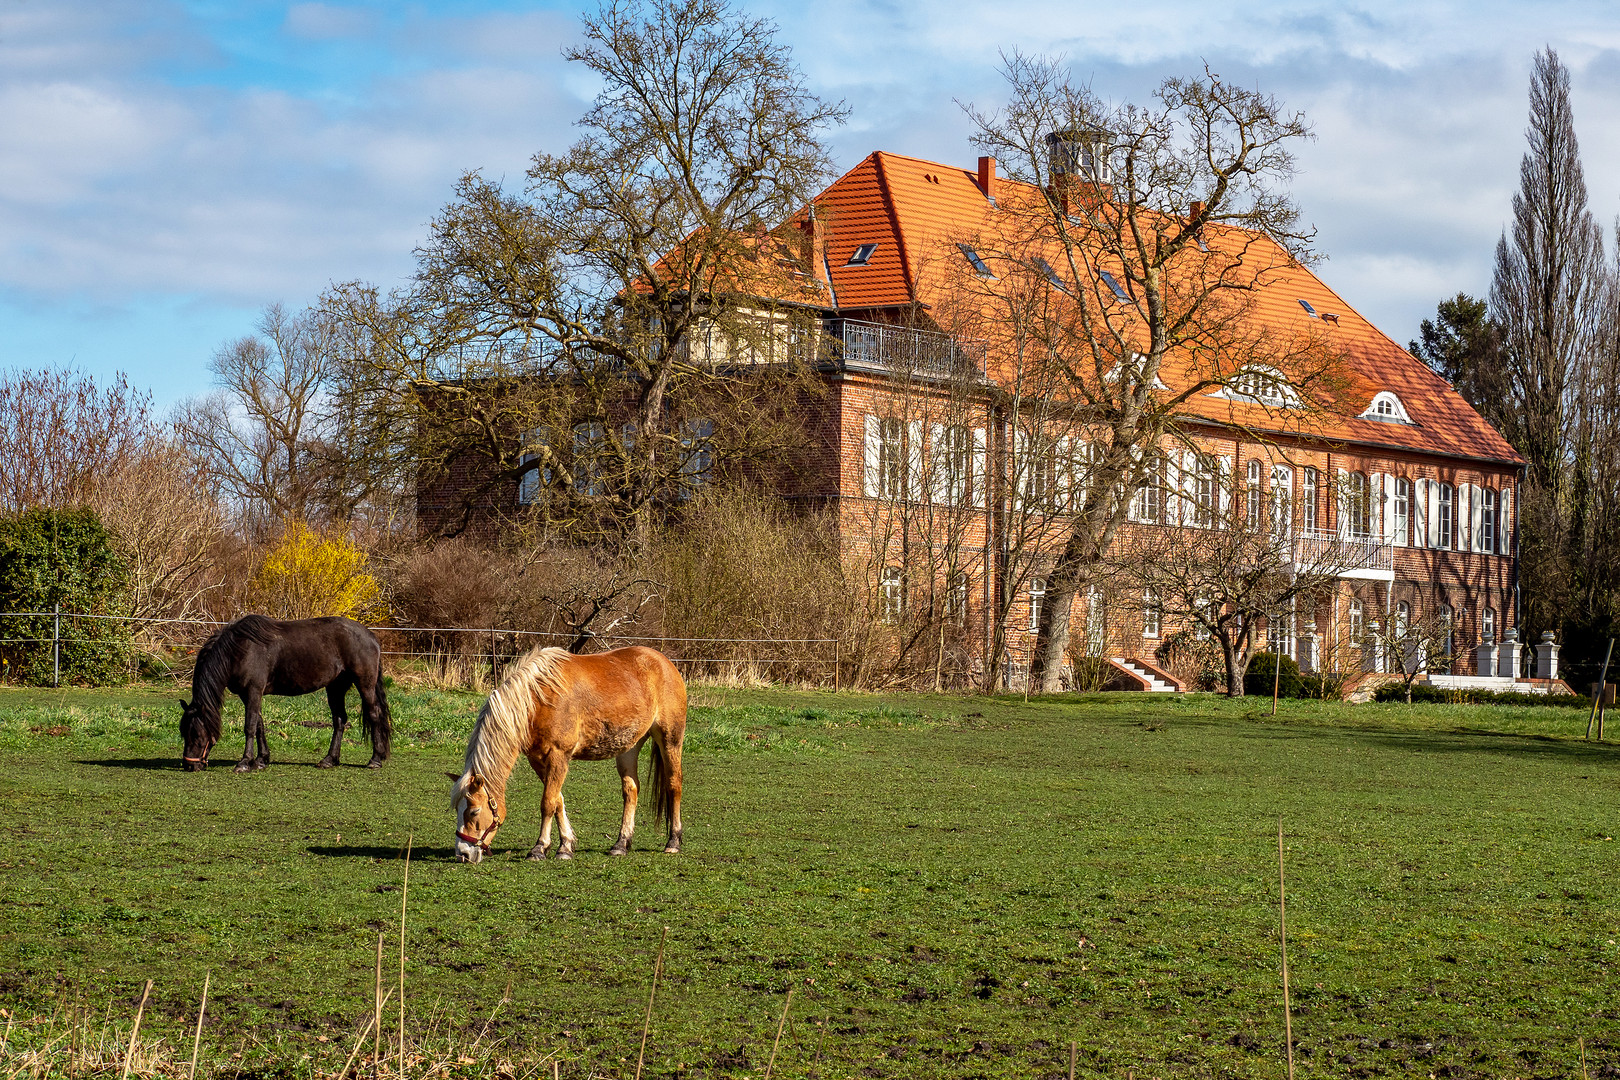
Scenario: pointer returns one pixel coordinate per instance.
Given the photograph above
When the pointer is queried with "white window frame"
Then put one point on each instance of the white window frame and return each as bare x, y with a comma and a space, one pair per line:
1402, 532
1254, 496
1037, 597
1152, 613
892, 594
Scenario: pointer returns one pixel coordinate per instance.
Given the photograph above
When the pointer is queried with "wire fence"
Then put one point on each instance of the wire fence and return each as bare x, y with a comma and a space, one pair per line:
41, 641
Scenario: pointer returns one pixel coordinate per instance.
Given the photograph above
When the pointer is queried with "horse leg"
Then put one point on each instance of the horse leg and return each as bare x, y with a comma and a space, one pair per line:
336, 693
672, 793
372, 703
253, 732
552, 769
627, 763
565, 847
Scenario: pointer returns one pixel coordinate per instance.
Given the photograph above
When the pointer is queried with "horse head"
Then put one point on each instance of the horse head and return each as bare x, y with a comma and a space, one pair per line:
477, 816
196, 735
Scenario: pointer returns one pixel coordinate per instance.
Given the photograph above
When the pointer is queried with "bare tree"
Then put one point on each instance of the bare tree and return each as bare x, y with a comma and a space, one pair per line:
60, 432
262, 434
1159, 225
1234, 572
592, 336
1419, 644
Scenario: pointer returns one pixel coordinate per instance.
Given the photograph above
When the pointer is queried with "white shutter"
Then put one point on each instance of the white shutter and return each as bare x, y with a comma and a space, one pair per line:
914, 482
939, 470
1504, 522
981, 481
1477, 518
1170, 507
1433, 515
1223, 480
1065, 473
874, 443
1386, 507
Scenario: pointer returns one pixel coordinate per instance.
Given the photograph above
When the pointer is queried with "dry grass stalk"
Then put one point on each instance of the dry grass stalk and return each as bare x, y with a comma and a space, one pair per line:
135, 1031
779, 1026
1582, 1042
404, 895
196, 1040
658, 967
1282, 922
1074, 1054
376, 1013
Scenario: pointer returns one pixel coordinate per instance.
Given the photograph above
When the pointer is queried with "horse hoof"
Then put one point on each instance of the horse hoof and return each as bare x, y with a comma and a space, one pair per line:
565, 856
618, 849
537, 855
325, 763
244, 766
676, 850
374, 763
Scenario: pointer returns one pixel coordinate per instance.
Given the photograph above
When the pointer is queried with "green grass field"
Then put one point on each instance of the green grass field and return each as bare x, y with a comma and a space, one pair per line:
951, 887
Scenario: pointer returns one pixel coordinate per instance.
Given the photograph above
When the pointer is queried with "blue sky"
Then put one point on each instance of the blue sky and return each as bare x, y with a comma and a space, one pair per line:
168, 168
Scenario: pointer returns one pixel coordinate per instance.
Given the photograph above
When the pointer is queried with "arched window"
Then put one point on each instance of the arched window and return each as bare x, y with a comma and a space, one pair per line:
1263, 386
1387, 407
1487, 626
1282, 499
1254, 496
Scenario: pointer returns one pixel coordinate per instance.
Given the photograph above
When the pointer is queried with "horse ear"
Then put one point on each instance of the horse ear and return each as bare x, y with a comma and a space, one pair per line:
453, 776
476, 785
184, 704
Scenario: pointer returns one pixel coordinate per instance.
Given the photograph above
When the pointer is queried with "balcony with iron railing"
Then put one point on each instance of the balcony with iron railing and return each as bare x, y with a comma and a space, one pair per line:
901, 350
1368, 558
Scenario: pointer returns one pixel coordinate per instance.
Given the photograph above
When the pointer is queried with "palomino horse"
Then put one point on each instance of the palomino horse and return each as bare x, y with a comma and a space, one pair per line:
257, 655
554, 707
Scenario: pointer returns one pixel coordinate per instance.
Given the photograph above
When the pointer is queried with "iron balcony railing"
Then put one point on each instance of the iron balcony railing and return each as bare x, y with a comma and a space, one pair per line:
903, 350
1344, 556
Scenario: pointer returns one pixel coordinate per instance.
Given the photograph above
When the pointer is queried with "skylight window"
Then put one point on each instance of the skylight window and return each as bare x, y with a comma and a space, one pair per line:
1306, 304
978, 264
863, 255
1113, 284
1051, 275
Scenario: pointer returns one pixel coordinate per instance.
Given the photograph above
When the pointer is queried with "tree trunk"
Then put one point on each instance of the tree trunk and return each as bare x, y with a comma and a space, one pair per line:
1234, 669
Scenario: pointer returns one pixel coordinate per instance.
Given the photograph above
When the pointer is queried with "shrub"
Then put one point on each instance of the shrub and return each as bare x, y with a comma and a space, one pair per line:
307, 574
1263, 669
65, 558
1422, 693
1196, 663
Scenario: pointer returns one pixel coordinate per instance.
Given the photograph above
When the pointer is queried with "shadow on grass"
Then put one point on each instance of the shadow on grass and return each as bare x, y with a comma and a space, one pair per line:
173, 764
380, 851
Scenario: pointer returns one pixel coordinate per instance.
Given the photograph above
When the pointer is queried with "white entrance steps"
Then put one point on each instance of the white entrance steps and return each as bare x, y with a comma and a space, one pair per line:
1152, 680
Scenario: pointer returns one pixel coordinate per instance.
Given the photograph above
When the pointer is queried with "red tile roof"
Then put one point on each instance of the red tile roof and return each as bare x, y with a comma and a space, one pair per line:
916, 211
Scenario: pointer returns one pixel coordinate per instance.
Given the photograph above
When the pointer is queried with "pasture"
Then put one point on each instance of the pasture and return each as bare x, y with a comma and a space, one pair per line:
951, 886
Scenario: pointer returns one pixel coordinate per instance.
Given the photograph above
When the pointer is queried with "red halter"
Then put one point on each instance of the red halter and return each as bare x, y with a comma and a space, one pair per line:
481, 841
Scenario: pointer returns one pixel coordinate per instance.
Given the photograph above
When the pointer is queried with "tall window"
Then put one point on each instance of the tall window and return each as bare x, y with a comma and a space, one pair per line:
1447, 629
953, 454
1353, 504
697, 451
1487, 625
1445, 533
1504, 518
1148, 504
1205, 492
589, 450
1152, 613
1254, 496
1358, 623
956, 597
1096, 622
1403, 510
892, 594
891, 458
1307, 500
1487, 526
1037, 596
1282, 499
529, 483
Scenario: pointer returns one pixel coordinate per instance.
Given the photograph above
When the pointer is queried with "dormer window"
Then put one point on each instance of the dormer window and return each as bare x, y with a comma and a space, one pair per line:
1113, 285
863, 255
1387, 408
979, 264
1263, 386
1051, 275
1309, 310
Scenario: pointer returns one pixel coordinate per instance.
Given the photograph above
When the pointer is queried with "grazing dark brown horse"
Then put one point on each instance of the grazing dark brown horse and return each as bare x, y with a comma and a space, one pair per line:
554, 707
257, 655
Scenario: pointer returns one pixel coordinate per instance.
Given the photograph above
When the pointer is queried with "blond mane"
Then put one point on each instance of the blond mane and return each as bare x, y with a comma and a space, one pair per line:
502, 727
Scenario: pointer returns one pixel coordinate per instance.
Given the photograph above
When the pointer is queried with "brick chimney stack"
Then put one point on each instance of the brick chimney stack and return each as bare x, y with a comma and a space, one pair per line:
987, 177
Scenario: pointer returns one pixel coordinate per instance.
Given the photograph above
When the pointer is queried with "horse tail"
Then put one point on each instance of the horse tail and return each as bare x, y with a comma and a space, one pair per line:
380, 731
663, 800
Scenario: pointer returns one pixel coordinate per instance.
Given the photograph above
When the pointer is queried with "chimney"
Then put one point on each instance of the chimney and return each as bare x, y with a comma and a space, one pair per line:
815, 248
1194, 211
987, 177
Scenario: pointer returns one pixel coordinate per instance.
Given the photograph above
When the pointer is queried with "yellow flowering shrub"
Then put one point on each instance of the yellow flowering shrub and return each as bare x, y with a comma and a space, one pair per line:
308, 574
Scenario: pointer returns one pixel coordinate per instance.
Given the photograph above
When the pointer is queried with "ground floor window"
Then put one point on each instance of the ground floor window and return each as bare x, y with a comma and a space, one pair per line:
892, 594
